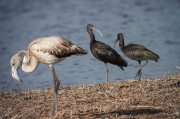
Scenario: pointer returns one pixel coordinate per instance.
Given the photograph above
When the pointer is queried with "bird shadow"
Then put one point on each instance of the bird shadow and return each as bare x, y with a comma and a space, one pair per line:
137, 111
177, 84
132, 112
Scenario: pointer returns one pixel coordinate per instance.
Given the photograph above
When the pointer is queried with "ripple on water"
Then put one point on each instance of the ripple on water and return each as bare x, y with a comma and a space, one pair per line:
172, 42
146, 19
85, 77
3, 82
71, 71
75, 63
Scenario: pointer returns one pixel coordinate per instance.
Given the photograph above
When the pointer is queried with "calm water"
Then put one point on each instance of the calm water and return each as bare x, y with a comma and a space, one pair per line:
154, 24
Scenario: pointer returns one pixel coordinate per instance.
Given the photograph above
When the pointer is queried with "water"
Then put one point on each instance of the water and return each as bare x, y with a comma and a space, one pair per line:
154, 24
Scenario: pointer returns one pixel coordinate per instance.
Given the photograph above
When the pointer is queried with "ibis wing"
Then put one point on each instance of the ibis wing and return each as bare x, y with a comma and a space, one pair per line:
139, 52
106, 54
135, 46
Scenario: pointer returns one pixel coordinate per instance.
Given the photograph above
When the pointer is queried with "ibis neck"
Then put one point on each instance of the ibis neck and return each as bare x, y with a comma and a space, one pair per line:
91, 34
29, 63
121, 42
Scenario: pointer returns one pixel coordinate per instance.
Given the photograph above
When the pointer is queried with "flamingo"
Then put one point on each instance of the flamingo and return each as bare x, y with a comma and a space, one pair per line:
49, 50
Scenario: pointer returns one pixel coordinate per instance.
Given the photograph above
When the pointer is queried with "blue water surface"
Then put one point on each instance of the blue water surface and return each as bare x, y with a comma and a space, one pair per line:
153, 23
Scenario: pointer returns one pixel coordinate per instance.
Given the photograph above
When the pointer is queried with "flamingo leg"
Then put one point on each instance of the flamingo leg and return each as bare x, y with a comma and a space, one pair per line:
107, 71
56, 87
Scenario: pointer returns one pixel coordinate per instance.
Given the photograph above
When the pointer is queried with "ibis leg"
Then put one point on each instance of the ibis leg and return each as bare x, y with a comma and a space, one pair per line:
56, 87
144, 64
107, 71
140, 70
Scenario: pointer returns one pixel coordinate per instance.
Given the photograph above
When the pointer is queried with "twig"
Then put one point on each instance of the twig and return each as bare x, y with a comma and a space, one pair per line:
164, 74
29, 89
4, 86
18, 87
9, 84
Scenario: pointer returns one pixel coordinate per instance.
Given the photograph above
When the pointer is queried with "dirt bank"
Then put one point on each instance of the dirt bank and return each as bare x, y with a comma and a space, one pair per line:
148, 98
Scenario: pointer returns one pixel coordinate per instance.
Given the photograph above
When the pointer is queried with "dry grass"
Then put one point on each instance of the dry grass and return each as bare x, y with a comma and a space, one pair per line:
148, 98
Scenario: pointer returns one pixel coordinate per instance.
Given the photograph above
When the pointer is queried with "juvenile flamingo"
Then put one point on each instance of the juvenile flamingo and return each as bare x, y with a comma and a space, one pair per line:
48, 50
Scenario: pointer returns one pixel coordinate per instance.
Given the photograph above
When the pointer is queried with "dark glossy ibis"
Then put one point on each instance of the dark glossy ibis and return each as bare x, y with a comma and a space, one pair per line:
136, 52
104, 52
48, 50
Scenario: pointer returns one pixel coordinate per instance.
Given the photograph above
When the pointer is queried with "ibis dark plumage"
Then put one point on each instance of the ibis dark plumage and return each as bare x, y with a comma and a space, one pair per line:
136, 52
104, 52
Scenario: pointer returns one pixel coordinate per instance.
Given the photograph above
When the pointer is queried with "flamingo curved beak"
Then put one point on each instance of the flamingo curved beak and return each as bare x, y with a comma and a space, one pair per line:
15, 74
115, 43
97, 31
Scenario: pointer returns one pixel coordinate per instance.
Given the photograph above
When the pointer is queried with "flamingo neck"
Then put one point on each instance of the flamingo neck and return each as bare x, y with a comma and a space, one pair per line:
29, 63
33, 63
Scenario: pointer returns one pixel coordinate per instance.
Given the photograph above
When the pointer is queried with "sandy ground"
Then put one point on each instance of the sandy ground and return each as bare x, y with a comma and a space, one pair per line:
131, 99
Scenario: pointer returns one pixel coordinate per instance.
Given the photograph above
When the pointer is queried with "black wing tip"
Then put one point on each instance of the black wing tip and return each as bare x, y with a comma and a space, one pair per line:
85, 52
157, 58
125, 65
20, 81
122, 63
121, 66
